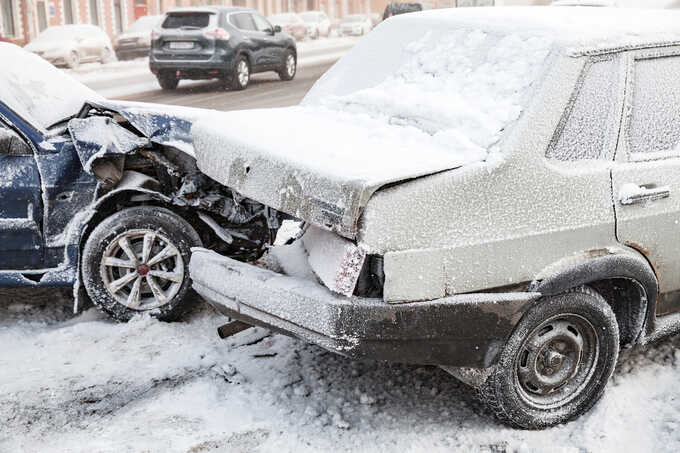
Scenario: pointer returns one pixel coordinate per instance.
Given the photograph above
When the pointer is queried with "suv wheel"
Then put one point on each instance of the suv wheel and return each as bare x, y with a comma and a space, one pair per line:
241, 75
137, 261
167, 80
556, 364
287, 72
73, 60
107, 55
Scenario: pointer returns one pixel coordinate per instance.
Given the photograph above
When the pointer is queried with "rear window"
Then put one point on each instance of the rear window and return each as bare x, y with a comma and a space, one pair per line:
187, 20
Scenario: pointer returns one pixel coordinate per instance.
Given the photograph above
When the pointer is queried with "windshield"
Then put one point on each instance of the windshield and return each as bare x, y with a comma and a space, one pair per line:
146, 23
64, 33
285, 19
188, 20
37, 91
309, 17
354, 18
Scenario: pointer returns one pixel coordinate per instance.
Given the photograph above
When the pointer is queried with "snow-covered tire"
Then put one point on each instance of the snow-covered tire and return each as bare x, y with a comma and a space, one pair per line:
167, 80
158, 274
289, 68
73, 60
107, 56
543, 352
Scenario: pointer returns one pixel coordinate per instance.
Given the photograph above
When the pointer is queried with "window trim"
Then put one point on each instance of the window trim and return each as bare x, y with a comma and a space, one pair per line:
633, 57
15, 18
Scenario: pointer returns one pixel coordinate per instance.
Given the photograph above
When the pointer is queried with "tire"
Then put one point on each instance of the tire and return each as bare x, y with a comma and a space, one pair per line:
167, 80
240, 78
73, 60
158, 274
544, 345
107, 56
289, 69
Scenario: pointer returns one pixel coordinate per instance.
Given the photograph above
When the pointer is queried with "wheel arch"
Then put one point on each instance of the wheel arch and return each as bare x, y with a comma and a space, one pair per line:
625, 280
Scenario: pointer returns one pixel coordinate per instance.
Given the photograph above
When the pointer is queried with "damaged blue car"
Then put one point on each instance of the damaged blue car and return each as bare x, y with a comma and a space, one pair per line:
106, 196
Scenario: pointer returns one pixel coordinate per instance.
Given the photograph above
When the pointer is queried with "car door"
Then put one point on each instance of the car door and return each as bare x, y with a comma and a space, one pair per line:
646, 177
273, 45
20, 203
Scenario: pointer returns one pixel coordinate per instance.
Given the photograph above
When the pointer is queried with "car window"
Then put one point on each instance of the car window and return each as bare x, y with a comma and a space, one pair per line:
261, 23
583, 131
242, 21
654, 130
187, 20
11, 144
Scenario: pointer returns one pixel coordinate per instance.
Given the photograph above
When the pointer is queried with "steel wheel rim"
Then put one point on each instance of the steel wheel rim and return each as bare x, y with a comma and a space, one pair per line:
243, 72
290, 65
556, 361
142, 269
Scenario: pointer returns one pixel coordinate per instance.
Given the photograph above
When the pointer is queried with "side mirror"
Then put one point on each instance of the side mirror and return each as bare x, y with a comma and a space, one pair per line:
13, 145
277, 29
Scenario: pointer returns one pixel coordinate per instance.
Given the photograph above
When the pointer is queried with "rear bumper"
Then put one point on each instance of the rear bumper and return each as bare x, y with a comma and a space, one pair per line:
220, 62
462, 331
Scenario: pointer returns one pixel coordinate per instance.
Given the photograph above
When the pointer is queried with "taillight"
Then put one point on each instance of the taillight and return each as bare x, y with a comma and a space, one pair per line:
217, 33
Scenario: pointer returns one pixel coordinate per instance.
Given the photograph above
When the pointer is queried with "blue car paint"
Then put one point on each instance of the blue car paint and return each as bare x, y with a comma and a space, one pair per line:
46, 199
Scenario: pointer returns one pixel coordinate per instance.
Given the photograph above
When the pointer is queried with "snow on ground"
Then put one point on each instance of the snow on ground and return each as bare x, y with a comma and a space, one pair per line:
86, 384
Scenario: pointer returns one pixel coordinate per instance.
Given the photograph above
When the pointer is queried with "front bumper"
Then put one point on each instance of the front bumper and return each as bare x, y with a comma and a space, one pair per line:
462, 331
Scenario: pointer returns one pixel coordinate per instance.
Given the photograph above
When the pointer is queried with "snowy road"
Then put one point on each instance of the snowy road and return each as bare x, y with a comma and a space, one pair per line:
89, 385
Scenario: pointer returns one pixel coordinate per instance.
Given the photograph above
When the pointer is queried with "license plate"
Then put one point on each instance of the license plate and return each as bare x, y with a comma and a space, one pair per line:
181, 45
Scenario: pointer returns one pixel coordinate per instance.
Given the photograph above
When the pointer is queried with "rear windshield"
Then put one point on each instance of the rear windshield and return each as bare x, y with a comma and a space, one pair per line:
187, 20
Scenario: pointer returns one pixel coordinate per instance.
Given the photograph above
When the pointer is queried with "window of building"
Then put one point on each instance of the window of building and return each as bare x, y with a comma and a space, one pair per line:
68, 11
94, 12
7, 12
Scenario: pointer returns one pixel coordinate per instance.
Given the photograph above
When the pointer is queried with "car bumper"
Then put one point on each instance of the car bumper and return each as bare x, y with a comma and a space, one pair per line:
198, 67
132, 52
461, 331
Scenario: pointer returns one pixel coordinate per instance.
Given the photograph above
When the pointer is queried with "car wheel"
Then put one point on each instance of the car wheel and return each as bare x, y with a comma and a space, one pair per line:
557, 362
167, 80
73, 60
241, 76
289, 67
137, 261
107, 55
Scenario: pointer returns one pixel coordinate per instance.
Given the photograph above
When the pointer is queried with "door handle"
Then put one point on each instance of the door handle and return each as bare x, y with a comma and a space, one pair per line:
636, 194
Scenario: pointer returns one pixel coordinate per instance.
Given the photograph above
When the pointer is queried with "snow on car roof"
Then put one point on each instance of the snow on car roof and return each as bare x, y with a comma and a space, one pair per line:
577, 30
36, 90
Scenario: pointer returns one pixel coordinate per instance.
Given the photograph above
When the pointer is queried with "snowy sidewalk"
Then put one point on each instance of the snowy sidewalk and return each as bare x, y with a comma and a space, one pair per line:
126, 78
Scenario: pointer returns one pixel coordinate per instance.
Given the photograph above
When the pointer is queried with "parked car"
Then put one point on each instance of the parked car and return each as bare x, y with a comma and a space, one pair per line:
106, 196
136, 40
355, 25
224, 43
290, 23
317, 23
393, 9
70, 45
532, 234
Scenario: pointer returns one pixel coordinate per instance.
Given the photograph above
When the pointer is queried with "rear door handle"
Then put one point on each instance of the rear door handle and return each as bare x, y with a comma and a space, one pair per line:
637, 194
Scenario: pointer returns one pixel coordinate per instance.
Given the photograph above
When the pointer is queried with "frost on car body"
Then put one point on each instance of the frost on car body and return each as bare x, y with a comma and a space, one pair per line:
507, 174
74, 160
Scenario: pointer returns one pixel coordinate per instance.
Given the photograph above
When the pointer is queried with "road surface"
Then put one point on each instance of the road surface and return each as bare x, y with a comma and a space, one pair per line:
265, 90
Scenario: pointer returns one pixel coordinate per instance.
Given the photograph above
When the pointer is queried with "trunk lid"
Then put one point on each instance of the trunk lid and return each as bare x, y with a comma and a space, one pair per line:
316, 164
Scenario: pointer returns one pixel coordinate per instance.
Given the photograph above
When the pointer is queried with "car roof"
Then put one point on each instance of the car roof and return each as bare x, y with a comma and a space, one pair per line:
209, 9
575, 31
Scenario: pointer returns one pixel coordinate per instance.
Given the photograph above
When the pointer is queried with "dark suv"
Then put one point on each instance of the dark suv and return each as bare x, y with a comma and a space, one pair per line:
225, 43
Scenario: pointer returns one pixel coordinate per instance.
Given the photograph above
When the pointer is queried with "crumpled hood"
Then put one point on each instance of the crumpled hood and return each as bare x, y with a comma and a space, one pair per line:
313, 163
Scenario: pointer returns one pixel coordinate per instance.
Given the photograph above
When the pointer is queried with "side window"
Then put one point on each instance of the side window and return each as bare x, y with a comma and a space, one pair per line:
583, 131
262, 24
242, 21
11, 144
654, 130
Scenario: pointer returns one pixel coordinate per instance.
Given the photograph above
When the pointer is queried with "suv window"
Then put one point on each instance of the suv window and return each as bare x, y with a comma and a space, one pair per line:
242, 21
654, 130
585, 127
190, 20
261, 23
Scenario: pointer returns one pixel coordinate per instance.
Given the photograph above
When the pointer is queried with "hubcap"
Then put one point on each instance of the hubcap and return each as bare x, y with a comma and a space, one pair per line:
142, 269
243, 73
290, 65
556, 361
